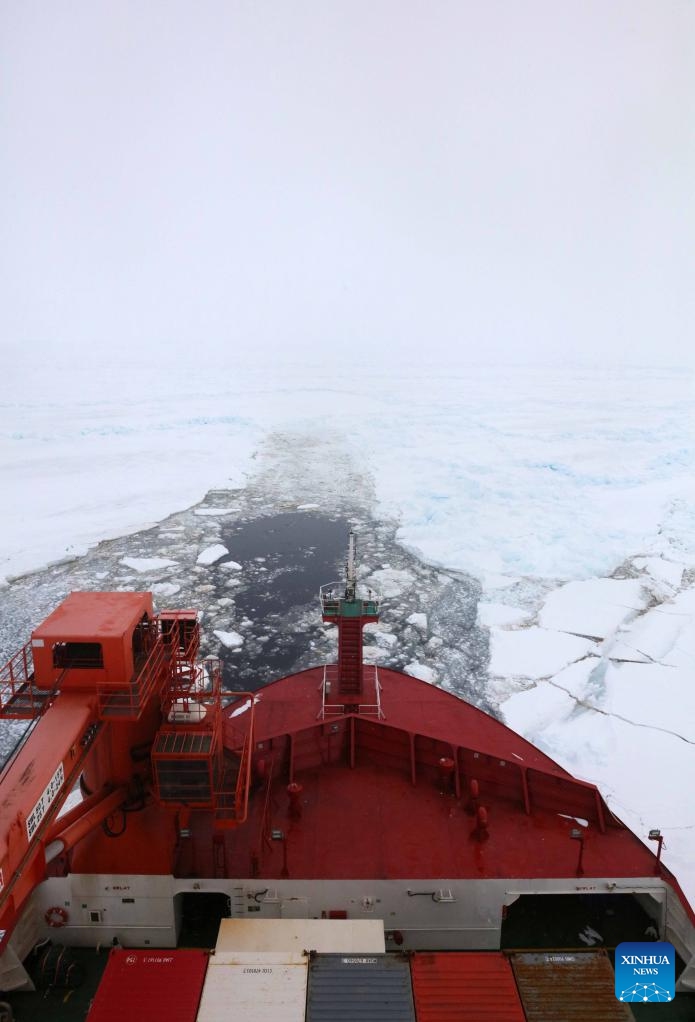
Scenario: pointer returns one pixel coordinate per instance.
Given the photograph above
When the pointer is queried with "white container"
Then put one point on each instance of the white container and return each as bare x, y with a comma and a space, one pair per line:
325, 935
255, 987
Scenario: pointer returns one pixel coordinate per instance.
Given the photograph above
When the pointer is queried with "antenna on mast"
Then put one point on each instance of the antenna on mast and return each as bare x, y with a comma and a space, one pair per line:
343, 605
350, 576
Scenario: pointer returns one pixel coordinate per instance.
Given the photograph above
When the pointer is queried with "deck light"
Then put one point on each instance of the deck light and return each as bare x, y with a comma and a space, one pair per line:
578, 835
655, 835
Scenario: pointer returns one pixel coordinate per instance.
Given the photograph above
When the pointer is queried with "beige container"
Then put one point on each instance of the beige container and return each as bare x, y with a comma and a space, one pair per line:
254, 987
324, 935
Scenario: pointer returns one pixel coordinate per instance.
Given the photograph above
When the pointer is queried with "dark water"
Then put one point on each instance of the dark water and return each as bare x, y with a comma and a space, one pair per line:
305, 550
285, 558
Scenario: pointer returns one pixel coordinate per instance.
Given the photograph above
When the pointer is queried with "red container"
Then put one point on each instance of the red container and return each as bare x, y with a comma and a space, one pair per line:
160, 986
464, 986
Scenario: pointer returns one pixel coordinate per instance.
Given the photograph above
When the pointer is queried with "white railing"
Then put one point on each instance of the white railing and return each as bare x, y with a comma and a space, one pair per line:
328, 709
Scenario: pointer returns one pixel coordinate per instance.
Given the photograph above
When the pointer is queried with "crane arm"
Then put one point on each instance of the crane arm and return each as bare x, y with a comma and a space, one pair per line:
35, 785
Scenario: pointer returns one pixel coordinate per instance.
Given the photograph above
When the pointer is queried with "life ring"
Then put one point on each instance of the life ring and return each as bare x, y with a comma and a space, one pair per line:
56, 916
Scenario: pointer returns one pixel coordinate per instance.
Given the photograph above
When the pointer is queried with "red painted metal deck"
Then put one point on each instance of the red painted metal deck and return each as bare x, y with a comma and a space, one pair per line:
371, 788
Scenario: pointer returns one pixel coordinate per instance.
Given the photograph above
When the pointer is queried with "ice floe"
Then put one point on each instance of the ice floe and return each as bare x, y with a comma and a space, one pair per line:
421, 671
501, 614
212, 554
232, 640
391, 582
165, 589
534, 652
418, 621
594, 607
144, 564
659, 568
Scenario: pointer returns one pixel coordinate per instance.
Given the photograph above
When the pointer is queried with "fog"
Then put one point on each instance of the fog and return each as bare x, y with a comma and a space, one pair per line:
401, 180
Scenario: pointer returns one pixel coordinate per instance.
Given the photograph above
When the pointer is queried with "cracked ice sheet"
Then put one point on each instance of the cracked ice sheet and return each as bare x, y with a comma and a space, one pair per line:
653, 696
644, 775
501, 614
595, 606
665, 633
534, 652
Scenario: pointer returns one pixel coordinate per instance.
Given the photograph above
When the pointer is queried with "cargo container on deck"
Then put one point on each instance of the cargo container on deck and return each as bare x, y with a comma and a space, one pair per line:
255, 987
359, 988
159, 986
474, 987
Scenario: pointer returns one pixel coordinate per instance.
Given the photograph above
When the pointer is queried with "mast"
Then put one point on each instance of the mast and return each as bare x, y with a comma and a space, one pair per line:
351, 610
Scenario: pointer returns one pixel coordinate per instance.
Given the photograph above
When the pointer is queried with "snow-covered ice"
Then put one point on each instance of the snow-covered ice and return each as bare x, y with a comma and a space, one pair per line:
165, 589
532, 711
215, 512
593, 607
421, 671
667, 571
147, 564
232, 640
534, 652
418, 621
502, 614
212, 554
390, 582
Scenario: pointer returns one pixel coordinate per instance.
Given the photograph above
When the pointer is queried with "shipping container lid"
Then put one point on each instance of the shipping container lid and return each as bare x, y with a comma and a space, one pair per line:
573, 986
261, 957
324, 935
255, 987
359, 988
478, 986
160, 986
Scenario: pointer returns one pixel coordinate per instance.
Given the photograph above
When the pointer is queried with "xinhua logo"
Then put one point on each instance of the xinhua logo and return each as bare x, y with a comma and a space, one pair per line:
645, 971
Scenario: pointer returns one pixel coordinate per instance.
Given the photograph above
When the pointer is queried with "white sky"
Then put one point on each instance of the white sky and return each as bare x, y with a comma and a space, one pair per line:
487, 180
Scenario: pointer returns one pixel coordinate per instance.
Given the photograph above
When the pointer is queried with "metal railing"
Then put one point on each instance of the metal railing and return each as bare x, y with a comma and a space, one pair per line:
126, 701
330, 677
18, 696
332, 593
231, 806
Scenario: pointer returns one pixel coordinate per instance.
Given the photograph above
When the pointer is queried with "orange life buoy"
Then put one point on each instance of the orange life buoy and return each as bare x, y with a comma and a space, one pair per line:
56, 916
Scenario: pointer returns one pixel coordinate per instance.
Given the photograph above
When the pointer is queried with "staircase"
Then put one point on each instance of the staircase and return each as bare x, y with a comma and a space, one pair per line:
350, 657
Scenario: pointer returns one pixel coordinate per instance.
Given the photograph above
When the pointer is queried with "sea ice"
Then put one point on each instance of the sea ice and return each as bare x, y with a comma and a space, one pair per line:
232, 640
659, 568
391, 582
650, 638
534, 652
594, 607
418, 621
532, 711
421, 671
211, 554
215, 511
144, 564
501, 614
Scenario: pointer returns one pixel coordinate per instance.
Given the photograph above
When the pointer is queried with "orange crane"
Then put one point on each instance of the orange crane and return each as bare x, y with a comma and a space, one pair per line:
120, 707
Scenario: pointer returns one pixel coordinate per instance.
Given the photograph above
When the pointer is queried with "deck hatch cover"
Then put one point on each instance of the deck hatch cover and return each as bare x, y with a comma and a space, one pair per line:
359, 987
573, 986
478, 986
160, 986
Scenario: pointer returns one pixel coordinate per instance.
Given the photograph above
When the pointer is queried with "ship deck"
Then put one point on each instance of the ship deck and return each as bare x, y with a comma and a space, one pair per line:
371, 822
375, 801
